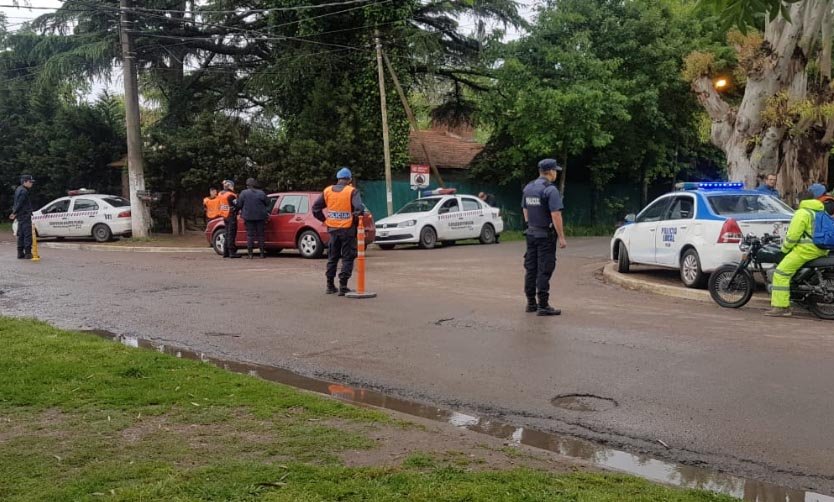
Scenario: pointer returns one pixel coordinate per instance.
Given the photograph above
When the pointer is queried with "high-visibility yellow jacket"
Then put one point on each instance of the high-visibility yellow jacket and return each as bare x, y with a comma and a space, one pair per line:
798, 239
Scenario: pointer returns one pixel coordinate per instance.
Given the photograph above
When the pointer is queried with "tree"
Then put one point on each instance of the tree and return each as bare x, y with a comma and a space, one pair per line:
784, 120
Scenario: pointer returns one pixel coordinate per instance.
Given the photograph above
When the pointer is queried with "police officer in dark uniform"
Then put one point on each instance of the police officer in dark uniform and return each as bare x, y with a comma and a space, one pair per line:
22, 212
542, 207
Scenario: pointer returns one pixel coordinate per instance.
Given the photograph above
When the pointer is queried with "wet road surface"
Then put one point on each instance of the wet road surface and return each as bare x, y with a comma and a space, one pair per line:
725, 389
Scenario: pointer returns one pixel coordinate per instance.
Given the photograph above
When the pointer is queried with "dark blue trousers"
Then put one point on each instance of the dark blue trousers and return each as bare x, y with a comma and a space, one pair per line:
539, 264
342, 247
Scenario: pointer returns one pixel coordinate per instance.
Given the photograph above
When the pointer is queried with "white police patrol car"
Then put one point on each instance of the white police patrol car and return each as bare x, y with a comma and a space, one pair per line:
442, 216
697, 228
83, 213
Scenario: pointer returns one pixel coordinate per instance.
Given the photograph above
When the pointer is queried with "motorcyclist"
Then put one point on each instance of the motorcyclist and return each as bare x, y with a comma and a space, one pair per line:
798, 249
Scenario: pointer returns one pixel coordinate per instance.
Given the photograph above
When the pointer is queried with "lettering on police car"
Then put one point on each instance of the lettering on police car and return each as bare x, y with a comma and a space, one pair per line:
669, 235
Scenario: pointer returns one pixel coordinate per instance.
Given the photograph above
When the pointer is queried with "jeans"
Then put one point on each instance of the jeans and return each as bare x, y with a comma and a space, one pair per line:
342, 246
539, 264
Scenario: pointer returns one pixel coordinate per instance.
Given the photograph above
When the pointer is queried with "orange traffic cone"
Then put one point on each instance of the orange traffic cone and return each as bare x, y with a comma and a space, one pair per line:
360, 292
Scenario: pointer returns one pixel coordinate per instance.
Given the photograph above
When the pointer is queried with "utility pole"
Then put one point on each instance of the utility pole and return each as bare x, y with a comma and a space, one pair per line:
411, 119
389, 196
139, 214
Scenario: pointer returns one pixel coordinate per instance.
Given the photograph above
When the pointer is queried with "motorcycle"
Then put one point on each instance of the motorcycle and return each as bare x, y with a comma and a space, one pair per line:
732, 285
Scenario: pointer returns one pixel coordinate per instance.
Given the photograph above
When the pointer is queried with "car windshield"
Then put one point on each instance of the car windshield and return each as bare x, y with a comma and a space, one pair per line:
117, 201
749, 204
419, 206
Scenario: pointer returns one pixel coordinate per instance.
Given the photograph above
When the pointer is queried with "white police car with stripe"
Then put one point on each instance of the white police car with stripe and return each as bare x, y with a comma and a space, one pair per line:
83, 213
697, 228
441, 216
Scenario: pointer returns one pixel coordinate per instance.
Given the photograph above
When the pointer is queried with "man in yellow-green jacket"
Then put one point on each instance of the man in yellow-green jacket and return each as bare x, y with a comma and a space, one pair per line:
798, 248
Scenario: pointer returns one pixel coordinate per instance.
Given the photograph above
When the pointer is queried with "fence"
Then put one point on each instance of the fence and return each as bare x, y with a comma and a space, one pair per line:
584, 205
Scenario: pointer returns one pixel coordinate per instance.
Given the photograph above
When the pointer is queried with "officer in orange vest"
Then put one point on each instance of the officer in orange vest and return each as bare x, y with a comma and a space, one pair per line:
343, 203
228, 210
212, 204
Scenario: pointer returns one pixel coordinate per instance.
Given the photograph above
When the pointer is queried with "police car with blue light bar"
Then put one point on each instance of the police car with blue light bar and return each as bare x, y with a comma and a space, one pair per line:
697, 228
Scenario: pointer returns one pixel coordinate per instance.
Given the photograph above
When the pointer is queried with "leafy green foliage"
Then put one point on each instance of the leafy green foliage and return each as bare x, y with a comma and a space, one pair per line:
746, 14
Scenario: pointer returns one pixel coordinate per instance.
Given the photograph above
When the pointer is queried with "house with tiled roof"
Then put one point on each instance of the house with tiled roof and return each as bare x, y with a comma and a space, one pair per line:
451, 149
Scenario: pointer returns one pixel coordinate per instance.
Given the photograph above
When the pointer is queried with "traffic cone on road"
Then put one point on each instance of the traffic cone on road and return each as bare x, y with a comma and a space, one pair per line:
360, 292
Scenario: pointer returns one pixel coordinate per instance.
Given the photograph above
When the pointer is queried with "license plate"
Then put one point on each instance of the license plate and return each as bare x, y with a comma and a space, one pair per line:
383, 234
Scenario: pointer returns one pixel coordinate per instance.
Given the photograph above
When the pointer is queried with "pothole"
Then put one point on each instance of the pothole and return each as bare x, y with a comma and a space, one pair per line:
583, 402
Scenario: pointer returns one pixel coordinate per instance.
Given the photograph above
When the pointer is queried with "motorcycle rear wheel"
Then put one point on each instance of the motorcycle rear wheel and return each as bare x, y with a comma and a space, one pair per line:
731, 295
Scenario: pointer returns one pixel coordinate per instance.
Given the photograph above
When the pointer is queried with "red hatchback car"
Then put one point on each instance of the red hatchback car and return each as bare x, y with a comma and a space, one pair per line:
291, 225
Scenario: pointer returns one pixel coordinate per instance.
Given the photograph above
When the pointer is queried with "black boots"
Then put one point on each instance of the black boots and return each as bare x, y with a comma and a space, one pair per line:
343, 288
331, 287
21, 254
27, 253
544, 307
532, 306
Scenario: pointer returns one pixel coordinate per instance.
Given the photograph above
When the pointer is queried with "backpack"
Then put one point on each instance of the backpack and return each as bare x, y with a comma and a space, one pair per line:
823, 236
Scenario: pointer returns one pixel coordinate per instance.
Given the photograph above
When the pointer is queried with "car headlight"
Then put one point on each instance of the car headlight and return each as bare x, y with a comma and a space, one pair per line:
409, 223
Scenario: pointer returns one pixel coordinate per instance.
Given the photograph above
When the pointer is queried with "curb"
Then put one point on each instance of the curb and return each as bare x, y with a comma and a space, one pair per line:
629, 281
123, 249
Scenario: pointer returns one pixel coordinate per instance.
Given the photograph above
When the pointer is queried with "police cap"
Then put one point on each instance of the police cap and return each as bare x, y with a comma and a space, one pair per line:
26, 177
549, 165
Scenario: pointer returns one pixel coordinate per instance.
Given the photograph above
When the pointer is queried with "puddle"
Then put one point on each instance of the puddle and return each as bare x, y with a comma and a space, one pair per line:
639, 465
583, 402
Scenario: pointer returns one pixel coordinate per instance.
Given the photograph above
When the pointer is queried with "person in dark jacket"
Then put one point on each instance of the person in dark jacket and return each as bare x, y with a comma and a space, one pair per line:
343, 204
253, 205
22, 212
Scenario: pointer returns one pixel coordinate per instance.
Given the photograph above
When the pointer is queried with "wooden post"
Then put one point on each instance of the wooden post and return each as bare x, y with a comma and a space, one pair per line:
411, 120
389, 196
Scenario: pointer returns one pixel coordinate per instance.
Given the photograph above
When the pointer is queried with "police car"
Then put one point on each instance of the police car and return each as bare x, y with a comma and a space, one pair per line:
697, 228
441, 216
83, 213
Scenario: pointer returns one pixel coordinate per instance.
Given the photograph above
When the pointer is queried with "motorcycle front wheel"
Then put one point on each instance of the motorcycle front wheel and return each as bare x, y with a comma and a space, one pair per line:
729, 292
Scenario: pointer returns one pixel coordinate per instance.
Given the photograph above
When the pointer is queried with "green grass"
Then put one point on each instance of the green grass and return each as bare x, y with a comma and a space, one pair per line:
570, 231
87, 419
6, 227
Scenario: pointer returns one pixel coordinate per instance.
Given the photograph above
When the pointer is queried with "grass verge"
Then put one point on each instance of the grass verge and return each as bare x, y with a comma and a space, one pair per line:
86, 419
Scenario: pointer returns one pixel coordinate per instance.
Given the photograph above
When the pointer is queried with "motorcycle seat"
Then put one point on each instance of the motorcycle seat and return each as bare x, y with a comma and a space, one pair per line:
824, 262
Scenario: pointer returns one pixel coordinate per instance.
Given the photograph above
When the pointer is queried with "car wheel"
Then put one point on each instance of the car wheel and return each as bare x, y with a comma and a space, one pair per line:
623, 264
102, 233
386, 247
691, 273
428, 238
218, 241
487, 234
310, 245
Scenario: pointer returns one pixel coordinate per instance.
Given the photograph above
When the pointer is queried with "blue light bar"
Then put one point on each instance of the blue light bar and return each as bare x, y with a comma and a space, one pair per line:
710, 185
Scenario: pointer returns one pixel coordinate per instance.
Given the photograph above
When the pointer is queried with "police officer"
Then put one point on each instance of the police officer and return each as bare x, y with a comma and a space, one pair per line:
22, 212
343, 203
542, 207
228, 210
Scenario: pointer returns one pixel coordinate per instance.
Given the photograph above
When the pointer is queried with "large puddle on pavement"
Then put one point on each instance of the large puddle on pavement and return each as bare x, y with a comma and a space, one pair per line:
609, 458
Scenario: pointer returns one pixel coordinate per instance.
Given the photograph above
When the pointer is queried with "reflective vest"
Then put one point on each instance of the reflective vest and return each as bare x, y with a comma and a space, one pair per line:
339, 207
225, 199
212, 207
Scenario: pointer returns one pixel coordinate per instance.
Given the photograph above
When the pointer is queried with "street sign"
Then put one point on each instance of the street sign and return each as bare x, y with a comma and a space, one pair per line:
419, 176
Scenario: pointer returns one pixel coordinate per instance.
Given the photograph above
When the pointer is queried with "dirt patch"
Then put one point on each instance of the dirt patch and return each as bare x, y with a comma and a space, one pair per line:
447, 445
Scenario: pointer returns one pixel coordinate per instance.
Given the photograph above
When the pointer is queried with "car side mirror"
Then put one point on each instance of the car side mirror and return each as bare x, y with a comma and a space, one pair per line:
631, 218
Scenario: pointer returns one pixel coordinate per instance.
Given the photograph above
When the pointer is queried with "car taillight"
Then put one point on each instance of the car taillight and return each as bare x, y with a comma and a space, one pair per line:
730, 232
124, 214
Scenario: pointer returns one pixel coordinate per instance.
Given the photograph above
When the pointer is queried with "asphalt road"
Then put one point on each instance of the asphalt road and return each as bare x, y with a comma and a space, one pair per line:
726, 389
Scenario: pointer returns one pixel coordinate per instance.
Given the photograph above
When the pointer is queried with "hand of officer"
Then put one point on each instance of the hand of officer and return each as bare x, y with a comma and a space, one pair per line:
11, 216
562, 242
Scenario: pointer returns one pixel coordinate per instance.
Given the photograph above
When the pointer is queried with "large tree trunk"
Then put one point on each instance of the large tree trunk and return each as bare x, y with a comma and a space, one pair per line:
797, 148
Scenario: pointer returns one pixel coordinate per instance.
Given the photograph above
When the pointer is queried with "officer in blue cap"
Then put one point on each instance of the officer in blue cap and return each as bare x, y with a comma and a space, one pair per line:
343, 203
542, 207
22, 212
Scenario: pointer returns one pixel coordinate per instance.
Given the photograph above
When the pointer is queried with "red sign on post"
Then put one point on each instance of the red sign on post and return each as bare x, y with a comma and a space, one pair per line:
419, 176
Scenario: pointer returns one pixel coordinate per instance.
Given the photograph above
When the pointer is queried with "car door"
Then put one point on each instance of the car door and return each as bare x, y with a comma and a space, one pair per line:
289, 218
474, 217
84, 214
673, 228
449, 218
54, 218
643, 233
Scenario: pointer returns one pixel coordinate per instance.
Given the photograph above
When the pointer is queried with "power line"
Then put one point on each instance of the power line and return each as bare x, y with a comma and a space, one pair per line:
258, 11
